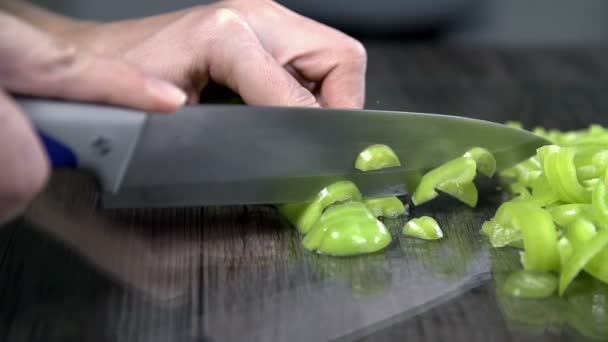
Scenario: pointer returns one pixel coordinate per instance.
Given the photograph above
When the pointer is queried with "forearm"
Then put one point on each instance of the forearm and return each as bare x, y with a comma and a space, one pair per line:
42, 18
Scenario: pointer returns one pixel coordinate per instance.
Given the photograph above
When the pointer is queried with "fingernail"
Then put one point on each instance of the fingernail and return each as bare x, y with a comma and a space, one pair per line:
166, 91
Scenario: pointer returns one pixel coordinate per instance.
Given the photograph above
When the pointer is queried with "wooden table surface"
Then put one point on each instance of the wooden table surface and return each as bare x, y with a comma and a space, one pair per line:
71, 272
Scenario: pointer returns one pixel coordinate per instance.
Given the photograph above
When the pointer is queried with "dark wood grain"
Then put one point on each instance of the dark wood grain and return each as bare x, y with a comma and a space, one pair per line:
70, 272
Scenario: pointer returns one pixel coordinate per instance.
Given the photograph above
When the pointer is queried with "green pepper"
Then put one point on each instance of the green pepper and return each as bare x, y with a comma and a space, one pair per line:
599, 203
389, 207
485, 161
347, 229
376, 157
581, 256
536, 228
425, 228
304, 215
454, 177
525, 172
514, 124
520, 191
560, 172
564, 246
530, 284
587, 172
566, 214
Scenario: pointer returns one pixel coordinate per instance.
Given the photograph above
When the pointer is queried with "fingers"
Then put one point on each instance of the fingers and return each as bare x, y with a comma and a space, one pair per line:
24, 168
37, 64
323, 55
340, 71
242, 64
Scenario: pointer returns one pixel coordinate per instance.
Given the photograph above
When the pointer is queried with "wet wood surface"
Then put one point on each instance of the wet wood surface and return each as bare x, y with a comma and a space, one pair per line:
72, 272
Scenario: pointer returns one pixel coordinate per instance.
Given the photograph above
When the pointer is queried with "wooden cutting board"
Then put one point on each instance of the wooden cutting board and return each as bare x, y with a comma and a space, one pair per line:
71, 272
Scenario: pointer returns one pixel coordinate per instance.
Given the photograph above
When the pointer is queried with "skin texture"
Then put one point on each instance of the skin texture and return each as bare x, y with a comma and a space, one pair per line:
259, 49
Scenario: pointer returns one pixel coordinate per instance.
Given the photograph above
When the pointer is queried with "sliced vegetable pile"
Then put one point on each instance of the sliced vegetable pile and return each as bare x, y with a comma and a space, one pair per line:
339, 222
559, 212
558, 215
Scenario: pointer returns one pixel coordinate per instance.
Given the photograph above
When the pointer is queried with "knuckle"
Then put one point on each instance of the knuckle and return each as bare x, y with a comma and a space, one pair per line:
59, 62
356, 50
217, 22
229, 21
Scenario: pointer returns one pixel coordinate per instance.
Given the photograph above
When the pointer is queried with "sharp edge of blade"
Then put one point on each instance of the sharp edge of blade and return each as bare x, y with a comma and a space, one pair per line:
388, 182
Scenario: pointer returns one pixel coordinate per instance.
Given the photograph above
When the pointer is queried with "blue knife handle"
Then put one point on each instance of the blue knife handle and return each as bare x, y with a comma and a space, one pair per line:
98, 138
60, 155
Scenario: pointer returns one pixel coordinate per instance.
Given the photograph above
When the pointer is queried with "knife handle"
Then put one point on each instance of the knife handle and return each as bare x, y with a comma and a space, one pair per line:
98, 138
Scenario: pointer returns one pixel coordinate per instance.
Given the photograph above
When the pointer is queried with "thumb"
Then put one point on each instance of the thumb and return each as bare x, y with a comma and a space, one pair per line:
35, 63
24, 168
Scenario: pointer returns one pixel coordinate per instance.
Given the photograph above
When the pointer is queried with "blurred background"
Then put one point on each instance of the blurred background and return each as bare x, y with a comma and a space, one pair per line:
490, 22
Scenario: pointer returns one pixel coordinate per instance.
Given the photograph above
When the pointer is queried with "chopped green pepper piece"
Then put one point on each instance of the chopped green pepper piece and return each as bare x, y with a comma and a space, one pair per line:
599, 202
388, 207
530, 284
425, 228
542, 192
514, 124
454, 177
598, 266
464, 192
525, 172
304, 215
376, 157
537, 229
580, 231
486, 163
347, 229
587, 172
581, 256
520, 191
589, 184
566, 214
565, 250
560, 171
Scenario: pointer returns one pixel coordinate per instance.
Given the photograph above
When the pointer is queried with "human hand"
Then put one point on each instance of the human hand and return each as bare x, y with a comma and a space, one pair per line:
266, 53
34, 63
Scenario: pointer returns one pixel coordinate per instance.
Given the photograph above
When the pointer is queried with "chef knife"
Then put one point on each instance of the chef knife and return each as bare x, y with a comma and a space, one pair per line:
236, 154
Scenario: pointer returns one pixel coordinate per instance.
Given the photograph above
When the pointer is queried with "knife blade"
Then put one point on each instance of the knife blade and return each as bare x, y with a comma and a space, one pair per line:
235, 154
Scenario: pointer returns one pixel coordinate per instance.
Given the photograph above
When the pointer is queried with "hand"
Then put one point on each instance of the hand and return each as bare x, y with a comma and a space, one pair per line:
261, 50
34, 63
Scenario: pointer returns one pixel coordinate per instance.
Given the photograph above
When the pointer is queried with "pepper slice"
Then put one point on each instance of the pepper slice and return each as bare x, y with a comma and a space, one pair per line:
581, 256
424, 227
525, 172
542, 192
376, 157
520, 191
304, 215
454, 177
389, 207
485, 161
599, 202
347, 229
566, 214
560, 172
530, 284
537, 230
